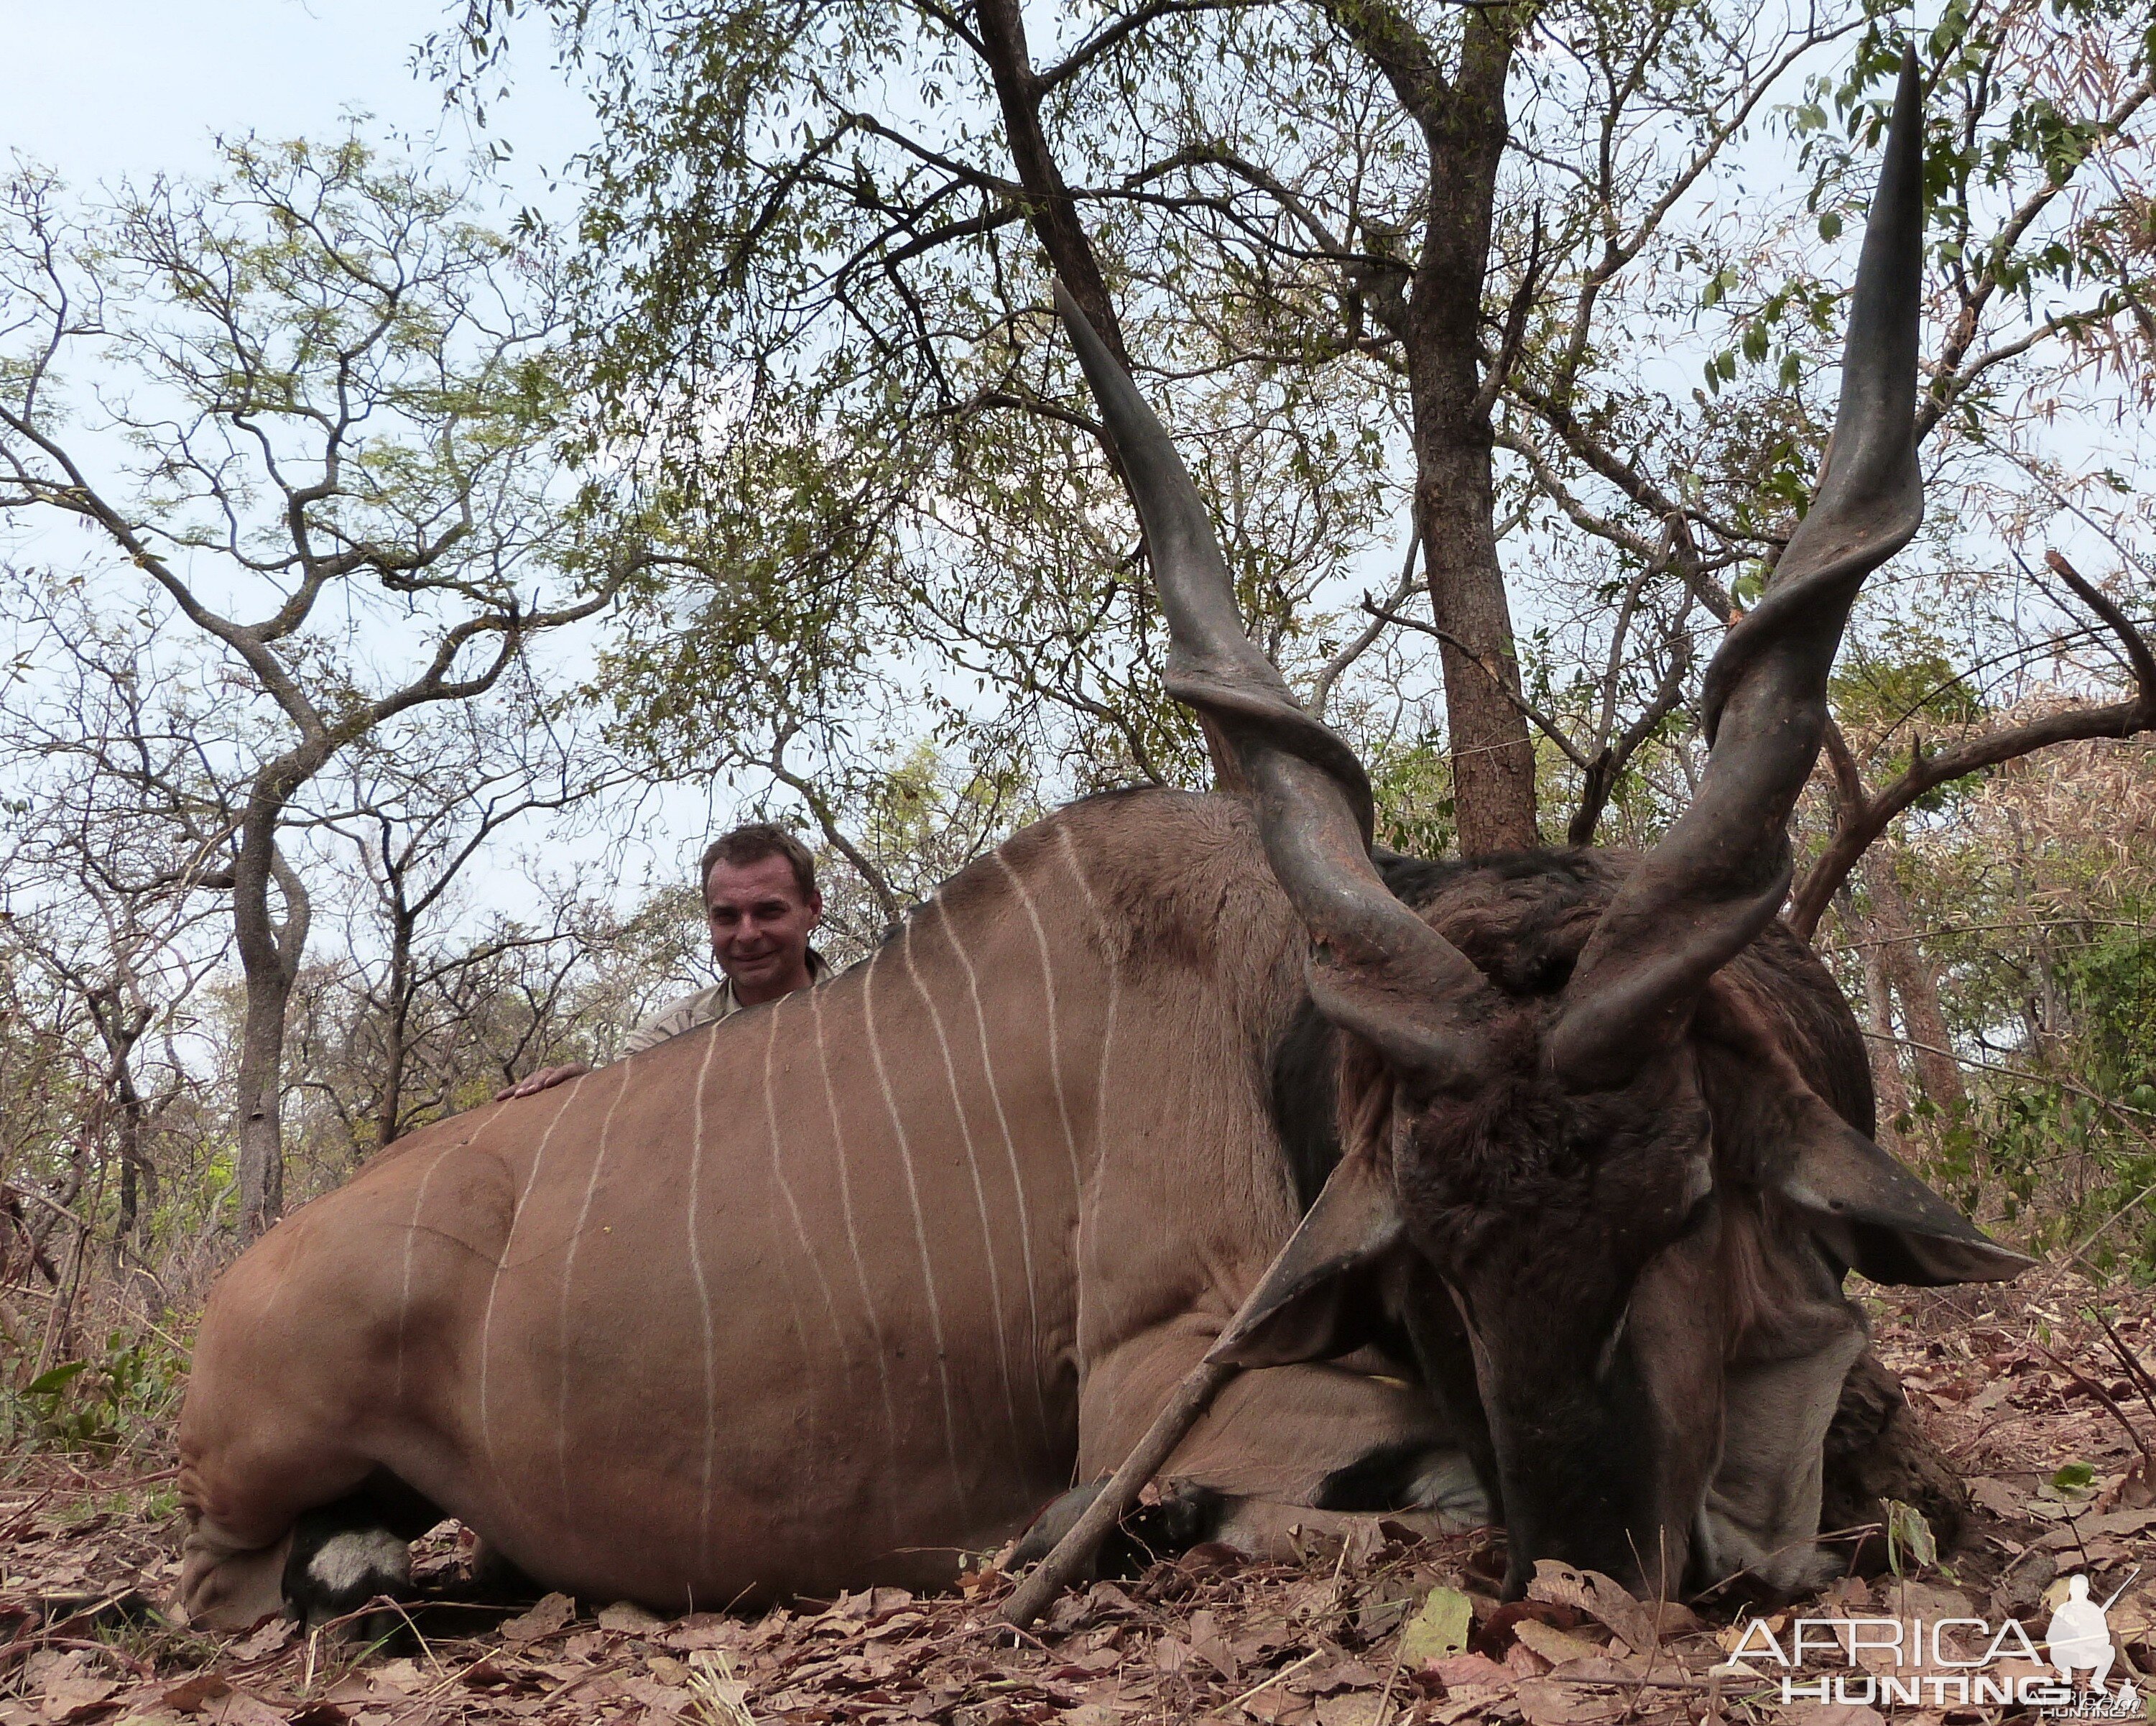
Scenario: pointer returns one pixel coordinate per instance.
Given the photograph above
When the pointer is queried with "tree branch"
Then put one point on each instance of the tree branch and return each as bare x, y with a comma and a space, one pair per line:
1863, 818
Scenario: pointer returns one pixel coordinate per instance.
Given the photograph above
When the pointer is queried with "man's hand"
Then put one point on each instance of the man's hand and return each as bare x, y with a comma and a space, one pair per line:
544, 1080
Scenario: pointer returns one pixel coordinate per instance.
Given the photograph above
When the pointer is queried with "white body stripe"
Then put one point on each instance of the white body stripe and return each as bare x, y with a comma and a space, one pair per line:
974, 1168
493, 1290
854, 1236
1088, 1244
793, 1206
1055, 1047
411, 1235
1010, 1155
704, 1301
919, 1225
569, 1281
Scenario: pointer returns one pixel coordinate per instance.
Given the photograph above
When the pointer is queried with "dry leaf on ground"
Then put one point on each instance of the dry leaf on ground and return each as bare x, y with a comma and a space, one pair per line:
550, 1615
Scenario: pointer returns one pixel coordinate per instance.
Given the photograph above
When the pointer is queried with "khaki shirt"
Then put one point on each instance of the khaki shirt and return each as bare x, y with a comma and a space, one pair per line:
708, 1006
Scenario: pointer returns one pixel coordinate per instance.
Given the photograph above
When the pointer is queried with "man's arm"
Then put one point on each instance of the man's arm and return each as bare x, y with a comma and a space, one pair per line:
675, 1017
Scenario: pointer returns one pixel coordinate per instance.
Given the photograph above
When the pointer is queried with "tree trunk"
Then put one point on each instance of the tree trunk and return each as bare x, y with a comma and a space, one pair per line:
395, 1024
269, 961
1493, 765
119, 1026
1937, 1071
57, 1343
137, 1188
1889, 1091
130, 1211
261, 1103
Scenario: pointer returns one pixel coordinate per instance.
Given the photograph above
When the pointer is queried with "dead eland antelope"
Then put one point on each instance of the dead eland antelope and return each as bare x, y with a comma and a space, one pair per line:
828, 1292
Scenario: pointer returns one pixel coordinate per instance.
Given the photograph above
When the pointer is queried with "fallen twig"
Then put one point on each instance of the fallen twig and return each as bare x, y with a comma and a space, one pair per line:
1293, 1666
1636, 1684
2104, 1396
2136, 1374
1076, 1549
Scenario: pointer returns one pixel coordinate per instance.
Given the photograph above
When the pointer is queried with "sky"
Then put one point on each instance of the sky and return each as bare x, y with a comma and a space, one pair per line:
104, 89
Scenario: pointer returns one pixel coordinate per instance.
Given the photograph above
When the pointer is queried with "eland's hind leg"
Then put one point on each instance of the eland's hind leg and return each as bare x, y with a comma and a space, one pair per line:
287, 1407
243, 1501
291, 1521
267, 1431
359, 1549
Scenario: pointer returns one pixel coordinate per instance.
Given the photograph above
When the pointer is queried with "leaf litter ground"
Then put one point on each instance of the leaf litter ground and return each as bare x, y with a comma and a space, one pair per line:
2024, 1389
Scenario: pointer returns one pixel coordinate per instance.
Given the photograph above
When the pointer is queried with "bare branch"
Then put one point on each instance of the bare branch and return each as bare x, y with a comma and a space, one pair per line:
1862, 818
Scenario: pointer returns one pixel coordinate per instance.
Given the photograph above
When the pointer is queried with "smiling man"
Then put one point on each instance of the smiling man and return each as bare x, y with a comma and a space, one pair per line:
761, 905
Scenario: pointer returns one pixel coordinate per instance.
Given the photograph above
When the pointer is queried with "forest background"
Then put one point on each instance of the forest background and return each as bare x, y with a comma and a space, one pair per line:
399, 582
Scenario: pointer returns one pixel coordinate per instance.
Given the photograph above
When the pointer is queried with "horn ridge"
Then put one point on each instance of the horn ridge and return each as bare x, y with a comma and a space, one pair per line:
1870, 494
1720, 874
1375, 968
1213, 664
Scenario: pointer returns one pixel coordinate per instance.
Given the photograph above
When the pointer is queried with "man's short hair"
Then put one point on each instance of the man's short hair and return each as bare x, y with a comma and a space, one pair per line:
752, 844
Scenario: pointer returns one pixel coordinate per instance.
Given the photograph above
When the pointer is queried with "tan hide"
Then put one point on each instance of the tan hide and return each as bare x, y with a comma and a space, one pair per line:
826, 1294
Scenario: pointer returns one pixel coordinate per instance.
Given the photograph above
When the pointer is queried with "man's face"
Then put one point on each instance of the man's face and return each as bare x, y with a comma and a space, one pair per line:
760, 922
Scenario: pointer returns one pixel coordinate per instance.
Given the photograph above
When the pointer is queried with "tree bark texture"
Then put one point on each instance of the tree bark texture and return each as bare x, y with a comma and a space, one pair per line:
1888, 1086
269, 954
260, 1104
396, 1026
1493, 763
1916, 988
121, 1020
1464, 130
138, 1175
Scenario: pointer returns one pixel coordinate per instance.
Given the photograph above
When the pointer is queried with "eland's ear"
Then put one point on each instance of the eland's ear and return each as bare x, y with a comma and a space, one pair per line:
1880, 1218
1774, 1132
1301, 1309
